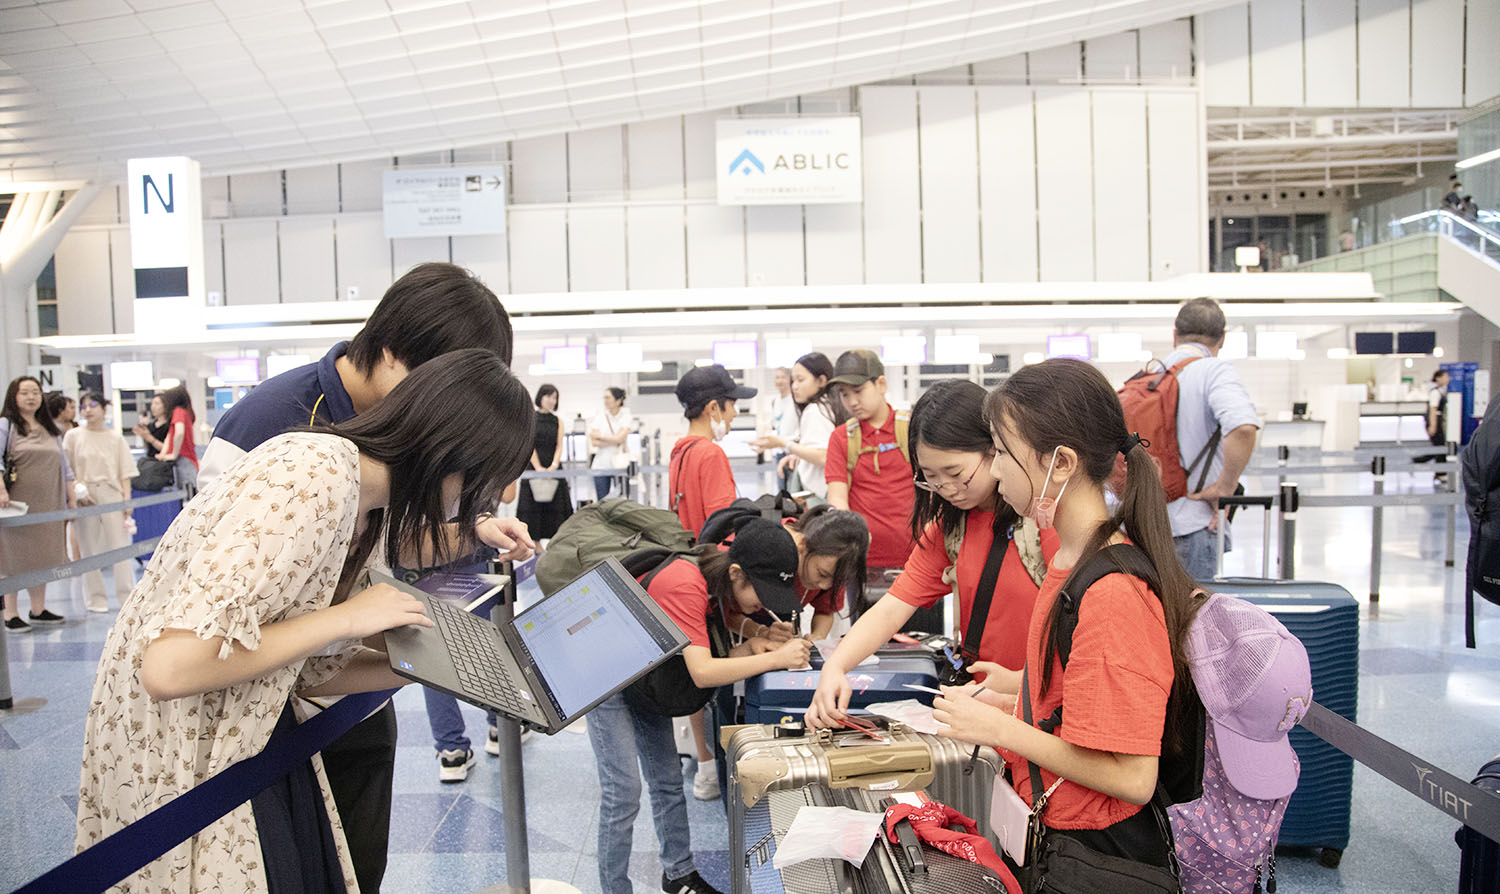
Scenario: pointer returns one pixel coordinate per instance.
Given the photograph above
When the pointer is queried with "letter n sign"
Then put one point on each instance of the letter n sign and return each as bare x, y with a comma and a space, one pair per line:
166, 242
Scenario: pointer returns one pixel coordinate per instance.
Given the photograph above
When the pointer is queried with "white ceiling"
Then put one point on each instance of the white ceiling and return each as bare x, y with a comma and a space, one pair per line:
245, 85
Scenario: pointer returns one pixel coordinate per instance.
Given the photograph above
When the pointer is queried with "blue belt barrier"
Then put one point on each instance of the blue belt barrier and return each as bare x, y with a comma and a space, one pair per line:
133, 847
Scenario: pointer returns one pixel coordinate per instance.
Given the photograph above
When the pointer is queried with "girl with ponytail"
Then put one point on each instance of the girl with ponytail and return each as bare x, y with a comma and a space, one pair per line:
1057, 430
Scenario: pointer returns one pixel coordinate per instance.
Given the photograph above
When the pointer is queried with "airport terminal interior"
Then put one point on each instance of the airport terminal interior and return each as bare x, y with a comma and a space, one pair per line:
200, 196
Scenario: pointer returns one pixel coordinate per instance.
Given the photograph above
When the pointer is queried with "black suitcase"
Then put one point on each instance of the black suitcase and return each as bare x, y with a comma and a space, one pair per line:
1326, 619
1479, 857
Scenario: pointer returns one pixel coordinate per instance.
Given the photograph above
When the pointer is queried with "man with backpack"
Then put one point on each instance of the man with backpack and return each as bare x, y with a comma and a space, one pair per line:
1203, 439
868, 468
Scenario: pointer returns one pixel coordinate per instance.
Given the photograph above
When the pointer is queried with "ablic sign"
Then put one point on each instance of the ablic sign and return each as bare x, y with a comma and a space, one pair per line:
788, 161
166, 242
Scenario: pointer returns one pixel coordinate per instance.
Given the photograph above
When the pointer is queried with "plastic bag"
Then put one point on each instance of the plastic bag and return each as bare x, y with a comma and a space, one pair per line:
835, 833
910, 712
825, 648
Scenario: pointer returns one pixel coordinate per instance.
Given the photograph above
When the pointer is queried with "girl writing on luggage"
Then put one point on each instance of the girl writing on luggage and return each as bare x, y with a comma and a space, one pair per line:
260, 591
831, 547
1057, 431
957, 517
631, 739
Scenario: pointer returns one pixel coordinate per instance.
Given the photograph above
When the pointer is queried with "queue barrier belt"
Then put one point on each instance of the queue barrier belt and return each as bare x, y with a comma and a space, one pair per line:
130, 849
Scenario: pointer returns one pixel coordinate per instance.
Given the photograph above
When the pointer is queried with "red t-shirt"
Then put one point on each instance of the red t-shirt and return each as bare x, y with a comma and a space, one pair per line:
699, 471
1114, 692
921, 585
682, 593
884, 499
187, 449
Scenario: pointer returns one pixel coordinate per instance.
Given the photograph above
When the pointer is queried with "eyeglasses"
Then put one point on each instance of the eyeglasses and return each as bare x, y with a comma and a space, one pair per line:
947, 486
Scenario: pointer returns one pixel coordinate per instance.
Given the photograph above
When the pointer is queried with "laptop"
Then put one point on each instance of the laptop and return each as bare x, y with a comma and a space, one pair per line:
550, 664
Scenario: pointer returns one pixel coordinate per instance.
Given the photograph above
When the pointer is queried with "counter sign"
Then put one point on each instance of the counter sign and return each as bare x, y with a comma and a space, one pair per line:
788, 161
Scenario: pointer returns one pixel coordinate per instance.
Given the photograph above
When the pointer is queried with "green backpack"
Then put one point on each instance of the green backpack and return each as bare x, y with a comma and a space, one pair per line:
615, 527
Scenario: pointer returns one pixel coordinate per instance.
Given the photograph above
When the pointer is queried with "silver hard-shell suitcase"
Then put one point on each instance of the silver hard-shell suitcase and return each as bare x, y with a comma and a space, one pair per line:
761, 762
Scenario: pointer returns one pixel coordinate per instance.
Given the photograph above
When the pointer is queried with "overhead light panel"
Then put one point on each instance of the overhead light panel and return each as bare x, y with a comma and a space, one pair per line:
1479, 159
618, 357
956, 350
1274, 345
1236, 346
786, 351
132, 375
736, 354
565, 359
904, 350
1119, 347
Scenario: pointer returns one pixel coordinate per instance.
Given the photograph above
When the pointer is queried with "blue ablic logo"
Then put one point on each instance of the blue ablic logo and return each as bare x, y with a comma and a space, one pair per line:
748, 160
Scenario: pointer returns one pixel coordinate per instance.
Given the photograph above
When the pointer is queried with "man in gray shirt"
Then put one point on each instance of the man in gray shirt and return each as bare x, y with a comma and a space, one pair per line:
1211, 399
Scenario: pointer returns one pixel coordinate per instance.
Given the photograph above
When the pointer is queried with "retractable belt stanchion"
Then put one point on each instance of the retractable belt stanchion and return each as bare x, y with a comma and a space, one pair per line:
1377, 525
1454, 471
512, 782
1288, 499
6, 702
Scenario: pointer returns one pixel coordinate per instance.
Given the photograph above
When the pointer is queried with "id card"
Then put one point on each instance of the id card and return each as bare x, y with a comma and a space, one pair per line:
1010, 818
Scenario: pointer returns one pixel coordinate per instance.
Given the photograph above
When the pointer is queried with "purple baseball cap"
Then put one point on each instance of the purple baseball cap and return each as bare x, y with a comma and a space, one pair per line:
1255, 682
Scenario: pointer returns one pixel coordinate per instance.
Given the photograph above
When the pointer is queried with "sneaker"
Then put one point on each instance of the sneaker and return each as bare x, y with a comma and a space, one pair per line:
46, 618
692, 883
706, 781
17, 625
99, 609
492, 741
453, 765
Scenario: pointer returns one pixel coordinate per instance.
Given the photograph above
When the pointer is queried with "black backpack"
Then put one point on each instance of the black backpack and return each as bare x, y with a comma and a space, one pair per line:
669, 689
1180, 769
1482, 486
722, 523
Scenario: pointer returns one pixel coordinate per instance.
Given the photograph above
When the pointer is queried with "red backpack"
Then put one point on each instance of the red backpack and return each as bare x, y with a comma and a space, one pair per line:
1149, 399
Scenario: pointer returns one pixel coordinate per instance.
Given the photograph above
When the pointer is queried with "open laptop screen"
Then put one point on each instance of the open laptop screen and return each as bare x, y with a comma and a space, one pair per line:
591, 636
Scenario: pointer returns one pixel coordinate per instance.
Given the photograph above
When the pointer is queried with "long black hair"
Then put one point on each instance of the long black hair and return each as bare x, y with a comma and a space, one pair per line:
12, 410
950, 416
1063, 402
461, 413
818, 365
177, 396
827, 531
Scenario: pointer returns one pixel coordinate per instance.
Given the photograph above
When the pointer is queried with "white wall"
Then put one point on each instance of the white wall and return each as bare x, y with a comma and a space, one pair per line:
1000, 172
1351, 53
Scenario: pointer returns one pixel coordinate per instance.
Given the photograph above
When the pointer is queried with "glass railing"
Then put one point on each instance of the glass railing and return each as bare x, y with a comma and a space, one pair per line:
1480, 237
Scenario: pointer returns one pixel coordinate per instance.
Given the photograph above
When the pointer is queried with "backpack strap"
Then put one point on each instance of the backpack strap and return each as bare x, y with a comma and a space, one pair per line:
989, 579
856, 442
1213, 441
681, 462
856, 445
903, 427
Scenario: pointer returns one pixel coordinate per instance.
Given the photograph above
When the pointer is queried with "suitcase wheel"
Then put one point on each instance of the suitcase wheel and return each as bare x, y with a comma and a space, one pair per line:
1331, 857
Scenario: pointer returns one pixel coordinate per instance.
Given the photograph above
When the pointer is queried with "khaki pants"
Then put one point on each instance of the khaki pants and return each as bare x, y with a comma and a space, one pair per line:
100, 534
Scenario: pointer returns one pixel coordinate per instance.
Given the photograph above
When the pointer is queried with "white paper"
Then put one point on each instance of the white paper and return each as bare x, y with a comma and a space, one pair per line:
910, 712
826, 647
830, 833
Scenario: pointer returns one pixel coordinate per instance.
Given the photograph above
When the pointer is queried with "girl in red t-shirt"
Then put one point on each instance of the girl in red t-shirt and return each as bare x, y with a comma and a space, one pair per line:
956, 497
178, 447
1058, 430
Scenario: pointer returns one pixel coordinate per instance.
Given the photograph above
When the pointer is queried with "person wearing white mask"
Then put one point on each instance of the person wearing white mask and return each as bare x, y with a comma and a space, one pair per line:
700, 480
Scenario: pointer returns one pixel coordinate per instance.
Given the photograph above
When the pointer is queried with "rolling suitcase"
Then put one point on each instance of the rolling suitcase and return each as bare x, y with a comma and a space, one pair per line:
1326, 619
152, 521
1479, 857
766, 760
781, 696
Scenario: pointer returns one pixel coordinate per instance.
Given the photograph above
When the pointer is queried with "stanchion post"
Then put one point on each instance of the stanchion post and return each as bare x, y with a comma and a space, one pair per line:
6, 703
1288, 557
1377, 524
512, 781
1222, 517
1452, 511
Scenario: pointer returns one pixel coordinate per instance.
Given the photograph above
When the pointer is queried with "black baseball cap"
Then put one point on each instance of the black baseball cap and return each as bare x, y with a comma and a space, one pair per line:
857, 367
706, 383
768, 556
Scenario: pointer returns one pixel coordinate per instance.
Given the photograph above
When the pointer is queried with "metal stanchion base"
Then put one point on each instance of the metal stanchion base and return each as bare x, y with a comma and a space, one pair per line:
538, 886
24, 705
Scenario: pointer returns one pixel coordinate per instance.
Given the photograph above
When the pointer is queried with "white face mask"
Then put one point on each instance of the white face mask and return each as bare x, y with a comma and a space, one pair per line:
1043, 509
720, 429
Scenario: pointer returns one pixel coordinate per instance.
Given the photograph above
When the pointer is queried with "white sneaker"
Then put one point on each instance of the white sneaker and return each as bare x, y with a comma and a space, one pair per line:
492, 741
706, 781
453, 765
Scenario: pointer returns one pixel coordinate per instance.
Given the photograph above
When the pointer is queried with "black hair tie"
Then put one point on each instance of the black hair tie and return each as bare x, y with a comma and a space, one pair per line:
1132, 441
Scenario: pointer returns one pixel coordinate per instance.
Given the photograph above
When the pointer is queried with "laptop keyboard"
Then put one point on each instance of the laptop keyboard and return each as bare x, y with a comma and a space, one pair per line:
471, 645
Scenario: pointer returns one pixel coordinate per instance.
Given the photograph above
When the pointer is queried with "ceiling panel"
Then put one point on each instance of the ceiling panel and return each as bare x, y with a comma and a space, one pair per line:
277, 83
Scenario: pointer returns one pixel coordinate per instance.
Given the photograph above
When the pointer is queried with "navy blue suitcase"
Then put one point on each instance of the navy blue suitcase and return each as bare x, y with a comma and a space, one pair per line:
1479, 857
152, 521
1326, 619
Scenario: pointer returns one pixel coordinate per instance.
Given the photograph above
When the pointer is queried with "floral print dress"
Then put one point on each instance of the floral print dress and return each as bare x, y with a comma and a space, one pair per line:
266, 542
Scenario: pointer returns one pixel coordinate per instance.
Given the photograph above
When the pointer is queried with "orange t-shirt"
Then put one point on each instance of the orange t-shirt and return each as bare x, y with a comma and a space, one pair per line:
1114, 692
921, 585
885, 498
699, 471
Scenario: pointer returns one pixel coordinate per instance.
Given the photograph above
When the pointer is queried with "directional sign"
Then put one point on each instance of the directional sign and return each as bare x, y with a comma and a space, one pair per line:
445, 201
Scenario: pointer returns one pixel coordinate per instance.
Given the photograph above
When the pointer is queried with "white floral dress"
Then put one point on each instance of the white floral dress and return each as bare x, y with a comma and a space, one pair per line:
264, 543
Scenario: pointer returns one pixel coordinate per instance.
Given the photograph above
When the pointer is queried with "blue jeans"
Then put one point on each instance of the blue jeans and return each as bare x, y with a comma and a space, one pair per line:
1198, 553
623, 737
601, 486
447, 721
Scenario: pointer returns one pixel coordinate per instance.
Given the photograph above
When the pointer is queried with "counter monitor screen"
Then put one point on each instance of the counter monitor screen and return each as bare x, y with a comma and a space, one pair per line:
1374, 342
1076, 346
1416, 342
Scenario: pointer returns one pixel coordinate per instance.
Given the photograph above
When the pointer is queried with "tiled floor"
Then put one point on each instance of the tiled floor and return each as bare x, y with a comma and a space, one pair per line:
1419, 687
